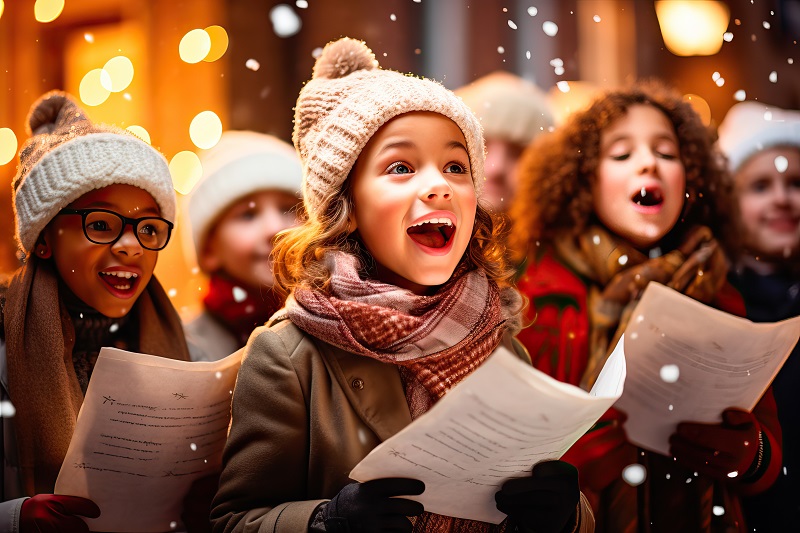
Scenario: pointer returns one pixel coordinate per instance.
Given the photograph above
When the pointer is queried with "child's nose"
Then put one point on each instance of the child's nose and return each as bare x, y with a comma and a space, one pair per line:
434, 187
128, 244
646, 160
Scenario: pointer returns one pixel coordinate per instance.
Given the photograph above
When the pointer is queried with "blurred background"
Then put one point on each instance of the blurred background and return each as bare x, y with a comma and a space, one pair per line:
178, 72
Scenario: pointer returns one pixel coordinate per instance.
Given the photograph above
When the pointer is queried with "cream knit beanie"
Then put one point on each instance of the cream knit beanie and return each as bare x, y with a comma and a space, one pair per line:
510, 108
241, 163
347, 100
750, 127
67, 156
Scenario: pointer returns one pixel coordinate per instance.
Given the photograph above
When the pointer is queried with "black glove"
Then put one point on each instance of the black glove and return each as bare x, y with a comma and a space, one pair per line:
369, 507
546, 502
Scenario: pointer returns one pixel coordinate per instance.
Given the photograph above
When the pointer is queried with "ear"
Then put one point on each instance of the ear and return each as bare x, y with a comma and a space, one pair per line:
352, 225
42, 249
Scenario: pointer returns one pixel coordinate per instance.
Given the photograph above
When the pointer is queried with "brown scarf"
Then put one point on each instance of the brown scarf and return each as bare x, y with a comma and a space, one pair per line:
620, 272
41, 378
436, 340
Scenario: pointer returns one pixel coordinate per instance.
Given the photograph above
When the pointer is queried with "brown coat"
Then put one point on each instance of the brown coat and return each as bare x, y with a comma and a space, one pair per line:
304, 414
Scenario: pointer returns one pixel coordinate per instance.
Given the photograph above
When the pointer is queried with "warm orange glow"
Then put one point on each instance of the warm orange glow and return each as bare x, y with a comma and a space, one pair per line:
120, 73
186, 171
8, 145
47, 10
2, 7
205, 130
93, 90
194, 46
692, 27
140, 132
700, 106
570, 96
219, 43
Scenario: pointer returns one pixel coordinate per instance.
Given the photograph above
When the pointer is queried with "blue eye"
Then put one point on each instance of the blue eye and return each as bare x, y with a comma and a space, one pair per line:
456, 168
399, 168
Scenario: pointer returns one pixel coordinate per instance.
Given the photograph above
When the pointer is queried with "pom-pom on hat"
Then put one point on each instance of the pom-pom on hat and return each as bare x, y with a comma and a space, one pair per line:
750, 127
510, 108
241, 163
347, 100
67, 156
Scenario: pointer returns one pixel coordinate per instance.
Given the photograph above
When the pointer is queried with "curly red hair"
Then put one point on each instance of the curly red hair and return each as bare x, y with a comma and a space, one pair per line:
557, 171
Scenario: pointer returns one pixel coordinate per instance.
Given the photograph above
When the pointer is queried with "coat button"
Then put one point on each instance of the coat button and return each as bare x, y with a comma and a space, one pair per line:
357, 383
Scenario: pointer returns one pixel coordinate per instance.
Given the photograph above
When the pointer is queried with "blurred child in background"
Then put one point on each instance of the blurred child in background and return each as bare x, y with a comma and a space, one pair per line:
93, 206
249, 192
627, 192
762, 144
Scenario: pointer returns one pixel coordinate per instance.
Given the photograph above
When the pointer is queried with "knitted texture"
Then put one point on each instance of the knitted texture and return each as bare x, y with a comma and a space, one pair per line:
243, 162
67, 156
347, 100
750, 127
510, 108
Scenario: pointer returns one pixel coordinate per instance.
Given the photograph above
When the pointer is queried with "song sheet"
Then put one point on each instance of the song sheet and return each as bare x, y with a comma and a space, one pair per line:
689, 362
149, 426
494, 425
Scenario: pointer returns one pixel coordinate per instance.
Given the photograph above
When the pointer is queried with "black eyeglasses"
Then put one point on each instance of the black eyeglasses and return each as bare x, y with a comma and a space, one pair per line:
102, 226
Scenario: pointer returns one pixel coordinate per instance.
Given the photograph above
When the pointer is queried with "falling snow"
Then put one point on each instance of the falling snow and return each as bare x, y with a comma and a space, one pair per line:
727, 36
634, 474
740, 95
550, 28
773, 77
596, 18
512, 25
532, 11
670, 373
252, 64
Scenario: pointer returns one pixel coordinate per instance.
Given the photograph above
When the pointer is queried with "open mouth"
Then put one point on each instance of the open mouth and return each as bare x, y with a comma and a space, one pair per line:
648, 197
433, 233
121, 283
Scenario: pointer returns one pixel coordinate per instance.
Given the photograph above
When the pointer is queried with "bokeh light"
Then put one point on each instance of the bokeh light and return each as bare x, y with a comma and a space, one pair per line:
194, 46
8, 145
700, 106
92, 89
47, 10
634, 474
205, 129
219, 43
186, 171
2, 7
285, 21
120, 73
140, 132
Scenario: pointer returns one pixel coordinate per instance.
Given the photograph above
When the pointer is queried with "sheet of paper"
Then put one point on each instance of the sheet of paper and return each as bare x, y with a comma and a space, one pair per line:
493, 426
689, 362
148, 427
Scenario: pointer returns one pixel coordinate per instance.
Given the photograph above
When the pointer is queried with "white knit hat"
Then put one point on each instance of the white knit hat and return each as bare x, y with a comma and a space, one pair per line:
750, 127
510, 108
67, 156
241, 163
348, 99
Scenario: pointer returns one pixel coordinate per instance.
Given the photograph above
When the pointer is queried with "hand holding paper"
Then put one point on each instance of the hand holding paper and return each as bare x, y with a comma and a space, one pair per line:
493, 426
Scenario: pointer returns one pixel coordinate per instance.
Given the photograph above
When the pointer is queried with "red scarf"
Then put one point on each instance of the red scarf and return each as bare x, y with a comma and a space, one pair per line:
240, 310
436, 340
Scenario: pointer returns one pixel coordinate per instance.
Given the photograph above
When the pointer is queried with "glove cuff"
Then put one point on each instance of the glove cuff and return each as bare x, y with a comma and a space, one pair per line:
761, 460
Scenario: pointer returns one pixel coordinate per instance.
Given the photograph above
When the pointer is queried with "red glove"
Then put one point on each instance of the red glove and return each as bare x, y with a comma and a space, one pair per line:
602, 453
46, 513
718, 449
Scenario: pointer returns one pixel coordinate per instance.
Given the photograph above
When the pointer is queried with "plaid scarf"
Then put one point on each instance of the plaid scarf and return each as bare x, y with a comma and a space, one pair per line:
436, 340
620, 273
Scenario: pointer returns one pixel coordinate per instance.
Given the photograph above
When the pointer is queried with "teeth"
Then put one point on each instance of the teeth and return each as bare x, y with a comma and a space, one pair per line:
126, 275
445, 221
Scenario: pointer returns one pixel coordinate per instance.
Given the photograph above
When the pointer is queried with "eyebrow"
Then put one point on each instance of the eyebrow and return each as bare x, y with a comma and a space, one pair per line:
112, 207
410, 144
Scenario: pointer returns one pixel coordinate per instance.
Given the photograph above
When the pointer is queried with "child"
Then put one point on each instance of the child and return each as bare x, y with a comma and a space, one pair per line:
513, 112
398, 291
93, 206
248, 194
627, 192
763, 148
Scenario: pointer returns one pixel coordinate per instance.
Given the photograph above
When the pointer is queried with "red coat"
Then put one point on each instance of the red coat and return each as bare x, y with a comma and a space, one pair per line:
558, 343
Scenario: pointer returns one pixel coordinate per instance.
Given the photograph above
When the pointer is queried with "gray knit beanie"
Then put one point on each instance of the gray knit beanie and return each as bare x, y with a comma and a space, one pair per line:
240, 164
348, 99
67, 156
750, 127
